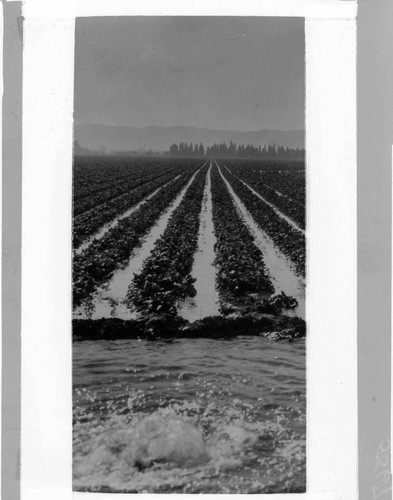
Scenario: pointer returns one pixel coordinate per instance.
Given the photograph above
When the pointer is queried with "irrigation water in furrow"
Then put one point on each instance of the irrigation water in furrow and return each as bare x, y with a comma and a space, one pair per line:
114, 223
273, 189
282, 275
280, 214
283, 195
205, 303
109, 302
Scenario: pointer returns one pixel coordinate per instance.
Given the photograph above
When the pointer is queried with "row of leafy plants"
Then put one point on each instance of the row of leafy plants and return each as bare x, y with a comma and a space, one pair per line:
92, 174
289, 179
138, 177
96, 265
165, 278
289, 207
240, 267
96, 174
87, 224
290, 241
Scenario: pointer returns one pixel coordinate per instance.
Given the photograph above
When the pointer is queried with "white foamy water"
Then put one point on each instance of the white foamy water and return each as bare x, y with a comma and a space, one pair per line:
205, 303
280, 214
279, 268
115, 221
109, 301
189, 416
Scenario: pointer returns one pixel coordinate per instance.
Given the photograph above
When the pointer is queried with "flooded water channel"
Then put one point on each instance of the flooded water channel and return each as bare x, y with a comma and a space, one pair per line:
189, 416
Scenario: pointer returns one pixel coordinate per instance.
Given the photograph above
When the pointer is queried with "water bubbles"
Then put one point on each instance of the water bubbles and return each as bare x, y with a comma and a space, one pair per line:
135, 399
252, 423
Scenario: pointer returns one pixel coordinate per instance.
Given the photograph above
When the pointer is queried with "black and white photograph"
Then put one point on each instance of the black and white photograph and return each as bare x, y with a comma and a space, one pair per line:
189, 263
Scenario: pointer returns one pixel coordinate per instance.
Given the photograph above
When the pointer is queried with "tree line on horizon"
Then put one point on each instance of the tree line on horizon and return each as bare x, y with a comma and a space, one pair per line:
222, 150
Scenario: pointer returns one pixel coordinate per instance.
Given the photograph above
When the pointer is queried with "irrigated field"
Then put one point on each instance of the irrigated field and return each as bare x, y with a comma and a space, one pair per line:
187, 246
189, 253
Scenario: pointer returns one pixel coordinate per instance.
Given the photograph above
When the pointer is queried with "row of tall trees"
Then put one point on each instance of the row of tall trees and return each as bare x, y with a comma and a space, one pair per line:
184, 149
222, 150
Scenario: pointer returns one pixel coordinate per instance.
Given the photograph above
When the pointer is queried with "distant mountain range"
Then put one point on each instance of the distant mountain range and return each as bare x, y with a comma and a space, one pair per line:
106, 138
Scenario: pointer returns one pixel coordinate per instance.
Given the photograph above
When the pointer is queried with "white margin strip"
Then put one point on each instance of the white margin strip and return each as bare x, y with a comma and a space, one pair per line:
327, 9
331, 305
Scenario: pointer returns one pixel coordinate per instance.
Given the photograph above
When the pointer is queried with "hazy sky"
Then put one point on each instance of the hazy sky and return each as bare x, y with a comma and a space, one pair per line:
222, 73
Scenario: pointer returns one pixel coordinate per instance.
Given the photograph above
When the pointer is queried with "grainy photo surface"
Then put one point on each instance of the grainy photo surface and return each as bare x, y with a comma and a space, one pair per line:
189, 263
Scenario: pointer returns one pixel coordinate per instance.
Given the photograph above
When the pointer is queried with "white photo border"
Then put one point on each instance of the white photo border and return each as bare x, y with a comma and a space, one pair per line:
48, 78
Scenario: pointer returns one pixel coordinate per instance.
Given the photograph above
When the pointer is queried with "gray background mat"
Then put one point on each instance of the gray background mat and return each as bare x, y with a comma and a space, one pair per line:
11, 251
375, 137
375, 132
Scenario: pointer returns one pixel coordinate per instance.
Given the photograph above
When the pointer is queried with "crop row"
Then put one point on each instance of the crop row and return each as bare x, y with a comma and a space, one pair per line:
288, 179
166, 275
90, 222
96, 174
240, 266
99, 261
290, 241
92, 174
99, 200
291, 184
294, 210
